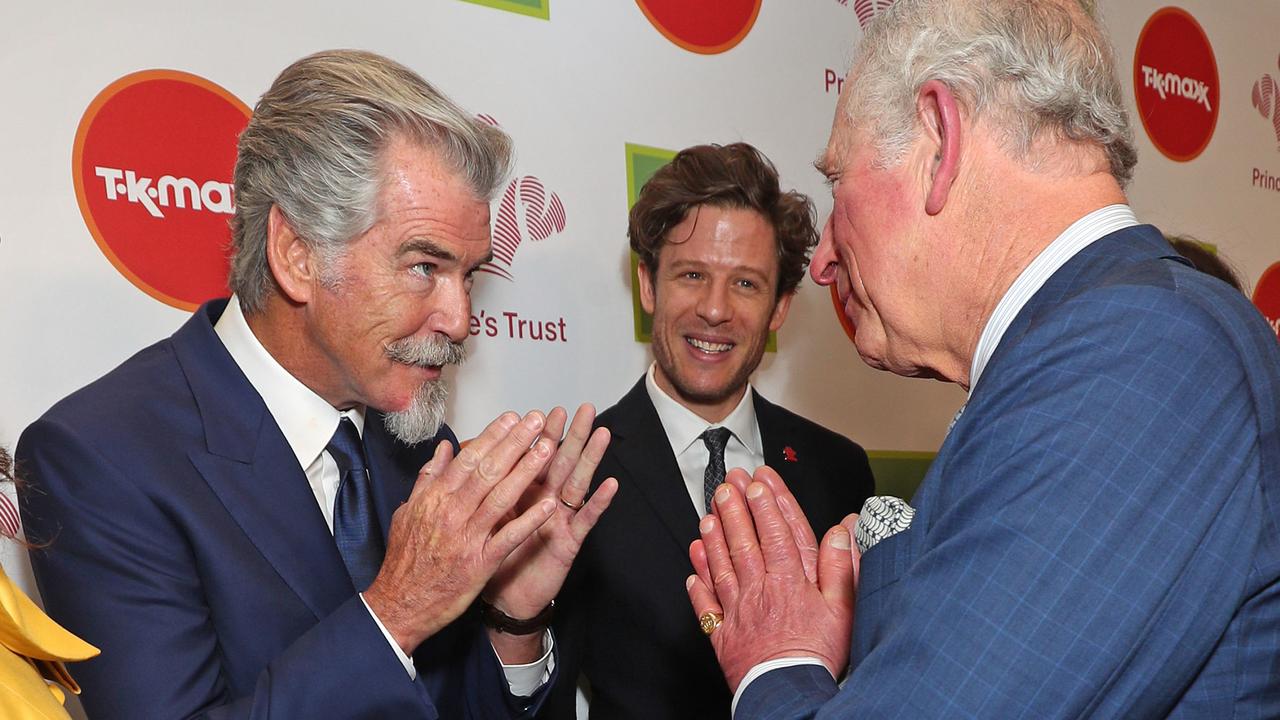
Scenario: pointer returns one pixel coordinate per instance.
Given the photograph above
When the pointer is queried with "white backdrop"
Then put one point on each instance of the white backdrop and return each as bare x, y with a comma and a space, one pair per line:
572, 90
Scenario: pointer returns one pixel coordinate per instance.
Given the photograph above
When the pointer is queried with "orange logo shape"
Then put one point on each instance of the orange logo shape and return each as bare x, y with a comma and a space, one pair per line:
707, 27
845, 322
1266, 296
1175, 80
152, 168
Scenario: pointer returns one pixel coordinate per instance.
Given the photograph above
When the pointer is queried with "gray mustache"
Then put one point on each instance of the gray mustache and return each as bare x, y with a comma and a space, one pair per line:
434, 351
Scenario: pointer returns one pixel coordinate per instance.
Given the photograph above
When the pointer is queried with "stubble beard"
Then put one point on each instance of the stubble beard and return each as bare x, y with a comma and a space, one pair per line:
664, 355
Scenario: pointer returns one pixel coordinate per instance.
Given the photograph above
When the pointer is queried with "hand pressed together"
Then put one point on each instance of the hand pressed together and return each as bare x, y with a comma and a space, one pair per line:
781, 593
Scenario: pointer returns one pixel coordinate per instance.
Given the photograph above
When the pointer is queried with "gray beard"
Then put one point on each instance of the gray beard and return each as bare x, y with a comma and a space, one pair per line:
422, 419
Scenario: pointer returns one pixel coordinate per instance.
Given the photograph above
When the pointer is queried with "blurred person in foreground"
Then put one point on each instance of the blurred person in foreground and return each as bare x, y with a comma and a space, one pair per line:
33, 648
722, 251
264, 515
1098, 534
1206, 260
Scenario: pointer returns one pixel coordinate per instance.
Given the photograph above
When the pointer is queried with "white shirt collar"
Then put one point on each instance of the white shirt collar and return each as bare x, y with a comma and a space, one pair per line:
683, 426
1082, 233
307, 421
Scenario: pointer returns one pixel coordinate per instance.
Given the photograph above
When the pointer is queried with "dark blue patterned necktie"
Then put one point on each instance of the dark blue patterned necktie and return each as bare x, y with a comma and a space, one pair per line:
355, 523
715, 439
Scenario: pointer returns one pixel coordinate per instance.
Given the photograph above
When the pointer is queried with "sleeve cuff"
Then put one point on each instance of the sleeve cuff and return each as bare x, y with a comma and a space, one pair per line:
405, 660
525, 680
764, 667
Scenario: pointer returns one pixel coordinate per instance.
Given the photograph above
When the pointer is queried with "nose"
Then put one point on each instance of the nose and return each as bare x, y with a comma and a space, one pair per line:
714, 304
451, 311
822, 268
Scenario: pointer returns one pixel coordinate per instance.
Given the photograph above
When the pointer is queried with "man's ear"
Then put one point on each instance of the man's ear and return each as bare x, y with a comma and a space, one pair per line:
647, 295
939, 115
292, 263
780, 310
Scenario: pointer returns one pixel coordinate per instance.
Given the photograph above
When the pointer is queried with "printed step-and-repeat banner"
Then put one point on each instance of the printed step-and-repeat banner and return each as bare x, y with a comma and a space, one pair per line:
122, 120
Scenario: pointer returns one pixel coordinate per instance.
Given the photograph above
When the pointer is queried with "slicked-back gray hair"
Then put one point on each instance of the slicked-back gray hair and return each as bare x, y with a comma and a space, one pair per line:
1038, 69
313, 148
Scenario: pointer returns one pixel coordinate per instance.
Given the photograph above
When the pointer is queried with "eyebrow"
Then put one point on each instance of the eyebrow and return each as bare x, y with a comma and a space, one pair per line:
698, 264
822, 166
427, 247
430, 247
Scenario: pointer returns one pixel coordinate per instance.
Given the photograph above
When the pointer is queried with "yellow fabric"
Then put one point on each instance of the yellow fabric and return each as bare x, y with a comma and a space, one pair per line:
32, 650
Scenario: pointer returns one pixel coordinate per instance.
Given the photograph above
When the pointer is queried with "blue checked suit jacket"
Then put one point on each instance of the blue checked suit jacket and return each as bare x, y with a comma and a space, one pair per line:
184, 541
1098, 536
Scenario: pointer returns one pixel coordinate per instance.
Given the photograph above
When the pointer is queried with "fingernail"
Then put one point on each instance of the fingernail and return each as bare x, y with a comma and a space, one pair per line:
707, 524
508, 420
688, 583
722, 494
533, 421
755, 490
840, 539
548, 506
542, 448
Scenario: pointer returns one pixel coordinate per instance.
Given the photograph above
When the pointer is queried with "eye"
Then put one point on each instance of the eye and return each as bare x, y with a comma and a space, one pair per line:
747, 284
425, 269
468, 280
692, 275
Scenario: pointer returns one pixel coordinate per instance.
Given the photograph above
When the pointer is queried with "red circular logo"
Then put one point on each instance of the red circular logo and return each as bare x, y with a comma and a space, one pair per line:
152, 167
1266, 296
702, 26
1175, 79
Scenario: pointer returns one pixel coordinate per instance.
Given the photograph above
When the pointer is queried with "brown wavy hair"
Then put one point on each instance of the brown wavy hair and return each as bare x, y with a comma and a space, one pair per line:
731, 176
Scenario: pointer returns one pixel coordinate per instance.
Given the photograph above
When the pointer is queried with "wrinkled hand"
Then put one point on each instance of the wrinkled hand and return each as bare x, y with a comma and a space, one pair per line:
781, 593
531, 576
458, 526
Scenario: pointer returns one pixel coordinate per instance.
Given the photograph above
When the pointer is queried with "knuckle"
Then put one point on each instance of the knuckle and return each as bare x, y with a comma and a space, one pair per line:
468, 459
488, 469
501, 500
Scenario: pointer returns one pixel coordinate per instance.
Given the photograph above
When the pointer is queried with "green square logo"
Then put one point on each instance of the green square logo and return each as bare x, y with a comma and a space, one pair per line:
642, 162
532, 8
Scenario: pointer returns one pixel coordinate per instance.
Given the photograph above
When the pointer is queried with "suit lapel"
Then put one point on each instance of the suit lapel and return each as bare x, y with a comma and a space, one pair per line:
393, 466
641, 447
249, 466
780, 449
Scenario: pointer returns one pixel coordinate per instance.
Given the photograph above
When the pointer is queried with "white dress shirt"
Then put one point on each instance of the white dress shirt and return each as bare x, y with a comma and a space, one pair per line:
308, 422
1080, 235
684, 430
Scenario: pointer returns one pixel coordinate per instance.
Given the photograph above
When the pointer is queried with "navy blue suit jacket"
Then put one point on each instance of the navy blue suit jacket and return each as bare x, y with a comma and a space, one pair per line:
1098, 536
184, 541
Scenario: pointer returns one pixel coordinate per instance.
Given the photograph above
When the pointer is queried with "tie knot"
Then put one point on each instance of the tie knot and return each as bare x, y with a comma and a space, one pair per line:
346, 447
716, 439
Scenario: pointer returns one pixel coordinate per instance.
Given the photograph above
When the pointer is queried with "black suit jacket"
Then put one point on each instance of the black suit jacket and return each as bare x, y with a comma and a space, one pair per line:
624, 619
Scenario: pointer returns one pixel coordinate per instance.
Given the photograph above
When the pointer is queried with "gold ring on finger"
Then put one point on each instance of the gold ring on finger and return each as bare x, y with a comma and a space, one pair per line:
570, 505
710, 621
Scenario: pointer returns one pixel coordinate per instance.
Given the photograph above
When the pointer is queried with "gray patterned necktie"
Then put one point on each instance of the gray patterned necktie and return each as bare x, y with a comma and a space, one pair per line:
715, 439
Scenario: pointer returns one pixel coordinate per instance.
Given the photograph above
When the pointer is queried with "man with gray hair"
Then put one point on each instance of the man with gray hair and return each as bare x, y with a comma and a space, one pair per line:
1098, 536
232, 514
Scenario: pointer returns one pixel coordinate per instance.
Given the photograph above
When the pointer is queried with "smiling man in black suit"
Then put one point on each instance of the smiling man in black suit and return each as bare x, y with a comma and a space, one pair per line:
722, 249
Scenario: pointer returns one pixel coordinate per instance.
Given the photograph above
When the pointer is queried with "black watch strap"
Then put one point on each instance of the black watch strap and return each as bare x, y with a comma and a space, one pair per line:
494, 618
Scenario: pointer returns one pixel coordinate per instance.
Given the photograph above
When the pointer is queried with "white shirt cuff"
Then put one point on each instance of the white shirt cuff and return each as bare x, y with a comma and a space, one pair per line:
524, 680
765, 667
404, 659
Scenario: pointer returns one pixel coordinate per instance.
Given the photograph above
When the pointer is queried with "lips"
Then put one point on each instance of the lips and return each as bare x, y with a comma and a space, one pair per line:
706, 346
432, 372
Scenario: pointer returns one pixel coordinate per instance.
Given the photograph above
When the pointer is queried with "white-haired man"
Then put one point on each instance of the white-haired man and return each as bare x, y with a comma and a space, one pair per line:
232, 514
1098, 535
